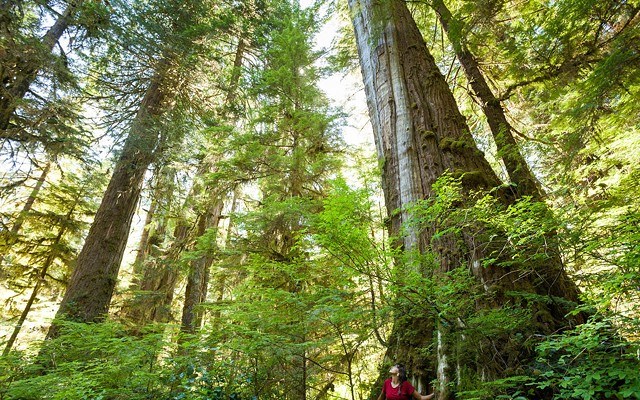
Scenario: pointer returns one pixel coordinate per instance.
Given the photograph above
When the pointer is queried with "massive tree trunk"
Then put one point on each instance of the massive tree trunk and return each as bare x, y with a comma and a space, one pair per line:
420, 135
517, 168
92, 283
19, 71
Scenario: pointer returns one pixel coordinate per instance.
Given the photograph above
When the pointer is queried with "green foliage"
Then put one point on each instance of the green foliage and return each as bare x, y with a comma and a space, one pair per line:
90, 361
306, 290
590, 362
594, 360
103, 361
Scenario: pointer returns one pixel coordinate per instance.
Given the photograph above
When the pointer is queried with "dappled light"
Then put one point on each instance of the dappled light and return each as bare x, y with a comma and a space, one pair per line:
320, 199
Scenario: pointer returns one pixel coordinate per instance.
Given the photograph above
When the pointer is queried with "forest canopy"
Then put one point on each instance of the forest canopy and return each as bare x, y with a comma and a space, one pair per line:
282, 199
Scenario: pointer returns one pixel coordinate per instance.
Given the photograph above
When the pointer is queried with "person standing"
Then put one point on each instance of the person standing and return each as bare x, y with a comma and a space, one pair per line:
398, 388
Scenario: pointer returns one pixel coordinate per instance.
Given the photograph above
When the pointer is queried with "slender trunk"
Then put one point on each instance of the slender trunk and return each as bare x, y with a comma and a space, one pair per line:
16, 83
26, 209
517, 168
198, 279
420, 135
352, 385
34, 293
155, 228
159, 271
94, 279
152, 301
220, 280
199, 271
40, 279
235, 73
303, 387
143, 245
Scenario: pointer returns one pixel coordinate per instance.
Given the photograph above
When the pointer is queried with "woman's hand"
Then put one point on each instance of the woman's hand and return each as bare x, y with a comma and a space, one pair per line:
427, 397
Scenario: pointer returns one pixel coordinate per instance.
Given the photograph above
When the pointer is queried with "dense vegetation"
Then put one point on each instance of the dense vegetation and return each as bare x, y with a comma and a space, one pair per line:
181, 195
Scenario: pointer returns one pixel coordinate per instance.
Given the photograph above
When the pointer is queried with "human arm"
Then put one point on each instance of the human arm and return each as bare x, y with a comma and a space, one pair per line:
381, 396
418, 396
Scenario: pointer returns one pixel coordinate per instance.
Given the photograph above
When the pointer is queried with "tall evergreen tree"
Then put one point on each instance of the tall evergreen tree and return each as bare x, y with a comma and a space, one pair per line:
290, 149
420, 136
45, 253
518, 170
20, 70
93, 281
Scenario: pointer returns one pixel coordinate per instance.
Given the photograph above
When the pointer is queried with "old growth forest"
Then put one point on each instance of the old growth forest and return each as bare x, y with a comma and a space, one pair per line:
281, 199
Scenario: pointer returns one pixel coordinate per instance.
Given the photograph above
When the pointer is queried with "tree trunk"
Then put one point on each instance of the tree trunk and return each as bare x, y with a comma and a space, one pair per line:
16, 81
34, 293
517, 168
40, 279
145, 240
94, 279
159, 281
220, 278
199, 270
143, 246
159, 270
26, 209
154, 235
420, 134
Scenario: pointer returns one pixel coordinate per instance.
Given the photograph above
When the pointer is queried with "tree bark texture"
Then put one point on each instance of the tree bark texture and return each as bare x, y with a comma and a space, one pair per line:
19, 71
160, 276
199, 270
94, 279
420, 135
517, 168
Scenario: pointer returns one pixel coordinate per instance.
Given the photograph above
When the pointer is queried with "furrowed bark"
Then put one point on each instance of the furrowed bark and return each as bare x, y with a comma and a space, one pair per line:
517, 168
417, 124
94, 279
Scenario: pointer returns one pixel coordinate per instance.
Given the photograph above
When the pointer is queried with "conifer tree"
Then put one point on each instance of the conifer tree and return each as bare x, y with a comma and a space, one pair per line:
43, 257
420, 136
290, 149
209, 213
93, 281
20, 70
519, 173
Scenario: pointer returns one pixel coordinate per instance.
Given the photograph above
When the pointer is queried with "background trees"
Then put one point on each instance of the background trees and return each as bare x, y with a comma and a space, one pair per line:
240, 252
